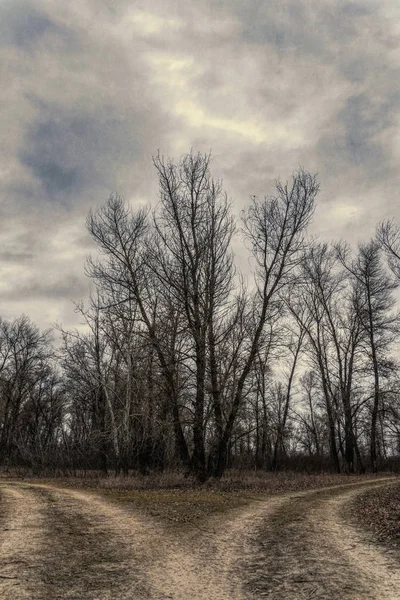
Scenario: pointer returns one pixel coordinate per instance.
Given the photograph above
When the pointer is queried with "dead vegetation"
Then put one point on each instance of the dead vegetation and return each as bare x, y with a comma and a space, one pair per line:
175, 499
306, 549
377, 511
281, 538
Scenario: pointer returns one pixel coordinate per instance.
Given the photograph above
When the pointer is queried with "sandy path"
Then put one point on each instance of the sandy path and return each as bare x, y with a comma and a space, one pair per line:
58, 543
66, 544
306, 550
20, 545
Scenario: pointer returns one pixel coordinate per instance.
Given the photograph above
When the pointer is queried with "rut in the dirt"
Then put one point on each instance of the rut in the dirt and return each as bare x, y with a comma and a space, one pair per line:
58, 543
306, 550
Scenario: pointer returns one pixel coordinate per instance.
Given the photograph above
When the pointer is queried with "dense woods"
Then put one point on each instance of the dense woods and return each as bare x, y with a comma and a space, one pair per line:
188, 363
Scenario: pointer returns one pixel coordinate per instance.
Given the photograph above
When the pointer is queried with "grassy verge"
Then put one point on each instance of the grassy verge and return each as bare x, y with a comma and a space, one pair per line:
177, 500
377, 512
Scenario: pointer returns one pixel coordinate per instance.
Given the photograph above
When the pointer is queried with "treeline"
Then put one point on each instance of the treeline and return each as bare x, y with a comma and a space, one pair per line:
188, 363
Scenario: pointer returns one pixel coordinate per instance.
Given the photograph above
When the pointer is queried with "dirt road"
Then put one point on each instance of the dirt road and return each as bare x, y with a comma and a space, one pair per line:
59, 543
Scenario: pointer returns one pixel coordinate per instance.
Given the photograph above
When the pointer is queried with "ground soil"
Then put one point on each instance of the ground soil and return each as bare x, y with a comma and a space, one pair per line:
377, 512
78, 544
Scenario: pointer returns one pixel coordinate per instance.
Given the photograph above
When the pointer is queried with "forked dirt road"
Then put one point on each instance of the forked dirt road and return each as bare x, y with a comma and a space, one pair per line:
59, 543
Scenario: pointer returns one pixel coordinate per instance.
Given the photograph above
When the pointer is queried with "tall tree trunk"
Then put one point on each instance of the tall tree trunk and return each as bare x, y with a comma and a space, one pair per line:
199, 455
279, 444
375, 406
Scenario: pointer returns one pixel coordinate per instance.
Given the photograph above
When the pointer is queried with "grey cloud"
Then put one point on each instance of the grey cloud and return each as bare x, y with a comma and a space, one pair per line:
362, 121
353, 139
356, 9
300, 25
71, 151
347, 34
353, 39
18, 246
49, 151
15, 257
355, 69
85, 111
52, 288
21, 24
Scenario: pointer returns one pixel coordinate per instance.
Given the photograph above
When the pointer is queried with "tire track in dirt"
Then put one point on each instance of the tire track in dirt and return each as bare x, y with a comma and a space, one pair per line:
21, 536
71, 545
273, 549
202, 564
306, 550
57, 543
89, 548
89, 552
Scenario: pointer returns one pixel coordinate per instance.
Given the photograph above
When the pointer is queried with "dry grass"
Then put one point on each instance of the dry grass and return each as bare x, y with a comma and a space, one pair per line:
377, 511
232, 480
89, 545
175, 499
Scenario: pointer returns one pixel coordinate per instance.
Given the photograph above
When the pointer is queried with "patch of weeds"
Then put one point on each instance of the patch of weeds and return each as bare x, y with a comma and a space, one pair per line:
176, 506
176, 499
377, 511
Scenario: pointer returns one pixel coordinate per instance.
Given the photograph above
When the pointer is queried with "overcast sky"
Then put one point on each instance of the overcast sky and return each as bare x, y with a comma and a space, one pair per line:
91, 89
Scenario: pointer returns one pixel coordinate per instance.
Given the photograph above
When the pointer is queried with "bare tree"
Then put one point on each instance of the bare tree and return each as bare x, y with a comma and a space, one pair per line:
25, 368
388, 236
334, 333
192, 261
294, 344
187, 261
121, 236
275, 228
376, 316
